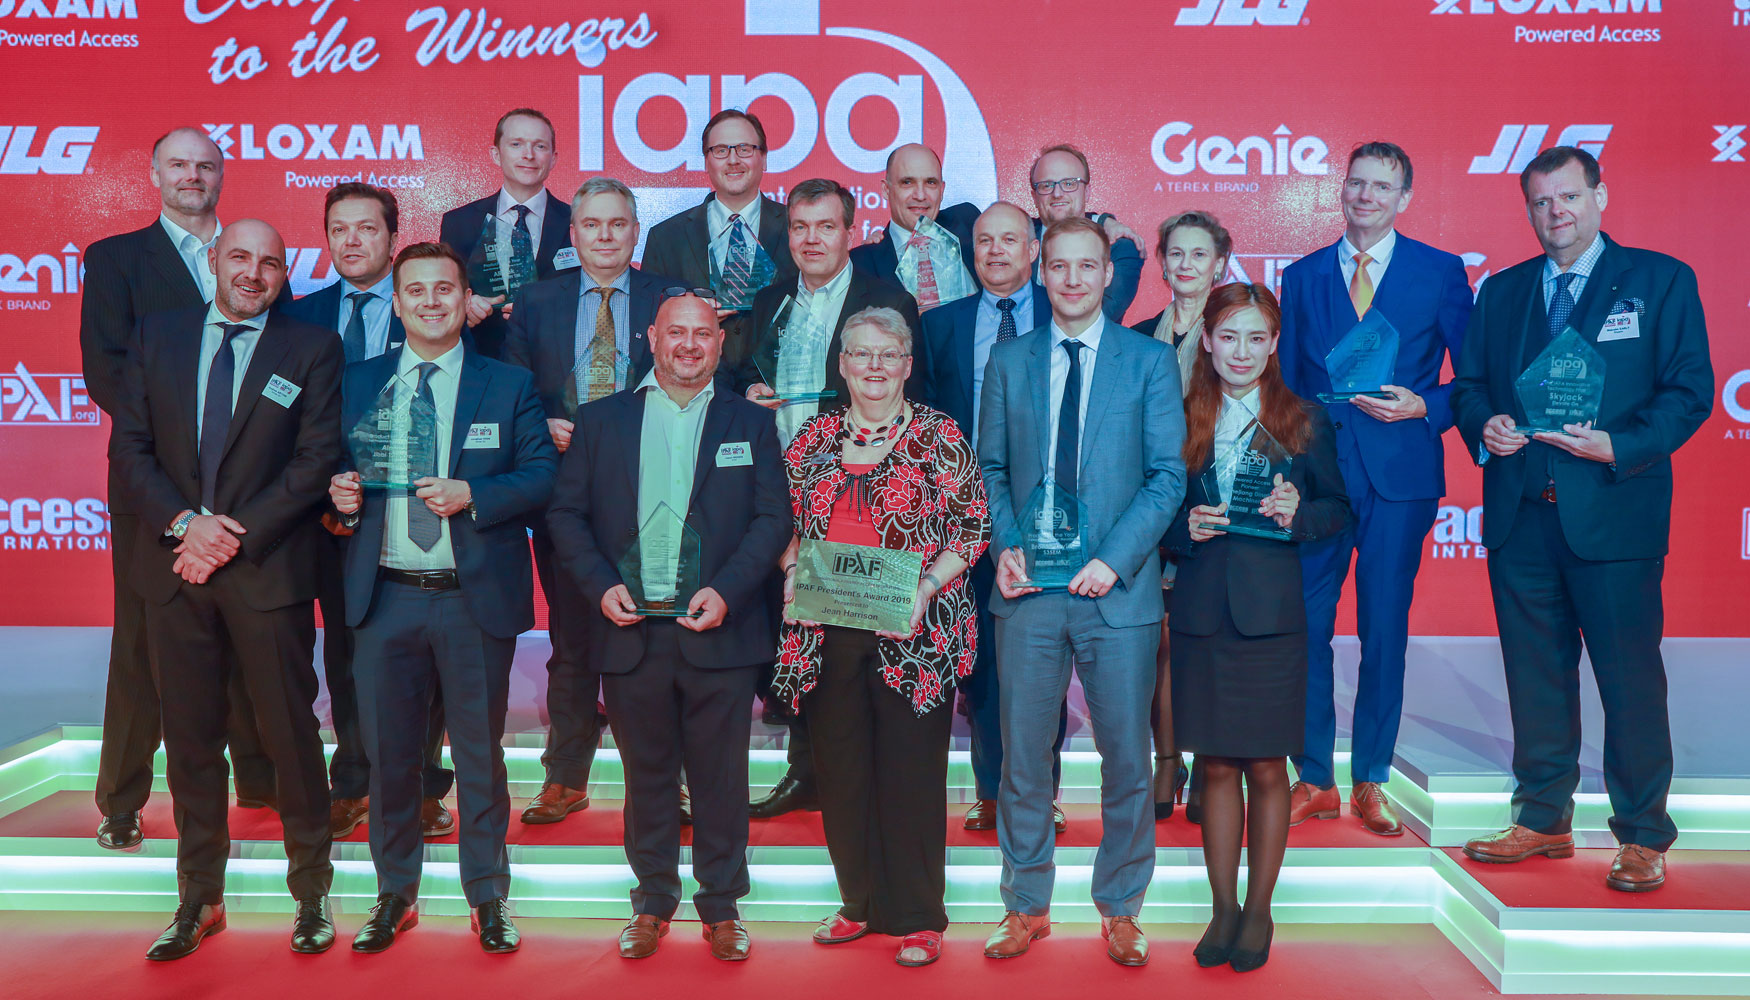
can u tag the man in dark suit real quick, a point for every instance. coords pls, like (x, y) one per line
(828, 290)
(733, 237)
(1392, 460)
(162, 266)
(952, 354)
(1577, 521)
(438, 585)
(524, 147)
(582, 333)
(228, 431)
(925, 249)
(678, 687)
(361, 222)
(1059, 178)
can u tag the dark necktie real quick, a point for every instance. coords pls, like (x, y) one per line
(1561, 304)
(522, 244)
(353, 340)
(1069, 416)
(216, 411)
(738, 262)
(422, 525)
(1006, 329)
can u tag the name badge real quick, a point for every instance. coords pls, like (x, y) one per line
(733, 454)
(281, 391)
(566, 258)
(1620, 326)
(481, 436)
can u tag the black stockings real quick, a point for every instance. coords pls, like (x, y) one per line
(1264, 829)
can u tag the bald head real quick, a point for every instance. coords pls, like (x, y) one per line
(685, 343)
(1003, 248)
(188, 170)
(914, 184)
(249, 261)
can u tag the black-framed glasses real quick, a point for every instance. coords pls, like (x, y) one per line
(744, 150)
(1068, 185)
(679, 291)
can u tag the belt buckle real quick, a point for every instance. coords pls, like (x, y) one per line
(438, 580)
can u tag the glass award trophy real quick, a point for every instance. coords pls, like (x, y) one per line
(1053, 537)
(952, 281)
(1243, 477)
(498, 266)
(856, 586)
(796, 384)
(661, 569)
(1563, 386)
(737, 291)
(1363, 359)
(398, 428)
(576, 395)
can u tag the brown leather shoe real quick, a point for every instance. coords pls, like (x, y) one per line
(641, 935)
(435, 819)
(1308, 801)
(1015, 933)
(1516, 843)
(1636, 869)
(555, 803)
(1367, 800)
(344, 815)
(982, 815)
(729, 941)
(1125, 943)
(1059, 821)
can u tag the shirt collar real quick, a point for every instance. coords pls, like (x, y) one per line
(1089, 337)
(1247, 402)
(177, 234)
(383, 289)
(1023, 297)
(215, 318)
(717, 216)
(449, 362)
(835, 286)
(1582, 266)
(705, 394)
(537, 205)
(622, 283)
(1380, 252)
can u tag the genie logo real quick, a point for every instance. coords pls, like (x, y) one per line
(1224, 157)
(39, 274)
(1734, 399)
(1238, 12)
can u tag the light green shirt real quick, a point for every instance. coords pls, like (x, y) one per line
(667, 455)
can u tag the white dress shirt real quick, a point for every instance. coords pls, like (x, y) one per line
(194, 254)
(1233, 427)
(537, 215)
(242, 350)
(1090, 352)
(668, 454)
(1379, 259)
(809, 333)
(717, 227)
(399, 552)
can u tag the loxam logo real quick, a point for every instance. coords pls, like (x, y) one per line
(89, 9)
(1546, 6)
(317, 142)
(1518, 145)
(1239, 12)
(45, 400)
(1729, 144)
(65, 150)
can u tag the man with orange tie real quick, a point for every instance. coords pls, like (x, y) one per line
(1392, 463)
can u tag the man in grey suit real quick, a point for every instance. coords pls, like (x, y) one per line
(1095, 408)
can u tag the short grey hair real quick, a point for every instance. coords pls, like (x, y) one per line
(604, 185)
(883, 319)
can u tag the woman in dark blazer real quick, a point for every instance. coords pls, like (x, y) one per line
(1239, 623)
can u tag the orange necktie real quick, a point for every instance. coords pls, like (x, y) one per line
(1361, 286)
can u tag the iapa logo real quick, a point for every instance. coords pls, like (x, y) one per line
(65, 150)
(1518, 145)
(317, 142)
(88, 9)
(1239, 12)
(1729, 144)
(54, 524)
(1547, 6)
(43, 400)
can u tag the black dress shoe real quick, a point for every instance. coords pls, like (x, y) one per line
(789, 795)
(389, 917)
(1244, 960)
(313, 927)
(193, 922)
(120, 832)
(491, 920)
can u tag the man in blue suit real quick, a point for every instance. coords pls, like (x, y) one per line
(1059, 178)
(925, 249)
(1392, 461)
(438, 584)
(952, 353)
(361, 222)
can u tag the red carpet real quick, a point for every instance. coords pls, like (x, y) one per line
(71, 814)
(1694, 880)
(57, 955)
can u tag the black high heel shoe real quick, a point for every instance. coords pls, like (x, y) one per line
(1209, 952)
(1246, 961)
(1194, 793)
(1181, 775)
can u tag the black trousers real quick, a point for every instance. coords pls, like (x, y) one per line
(411, 644)
(574, 722)
(667, 714)
(131, 730)
(1548, 601)
(883, 772)
(193, 641)
(349, 770)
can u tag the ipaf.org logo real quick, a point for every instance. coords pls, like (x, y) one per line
(35, 399)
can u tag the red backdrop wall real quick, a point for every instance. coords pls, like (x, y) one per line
(1243, 107)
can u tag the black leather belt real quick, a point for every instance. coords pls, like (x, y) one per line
(435, 579)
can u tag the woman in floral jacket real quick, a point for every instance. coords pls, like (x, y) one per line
(888, 473)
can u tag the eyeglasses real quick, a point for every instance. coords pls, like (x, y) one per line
(1355, 185)
(1068, 185)
(862, 356)
(677, 291)
(744, 150)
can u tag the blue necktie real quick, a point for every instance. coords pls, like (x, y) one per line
(738, 261)
(353, 340)
(1069, 416)
(522, 245)
(216, 411)
(423, 526)
(1561, 304)
(1006, 328)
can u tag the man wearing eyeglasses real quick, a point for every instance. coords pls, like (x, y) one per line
(1059, 179)
(1392, 462)
(925, 249)
(582, 334)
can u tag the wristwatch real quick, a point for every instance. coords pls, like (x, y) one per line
(180, 528)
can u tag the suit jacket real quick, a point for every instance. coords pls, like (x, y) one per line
(1126, 273)
(543, 331)
(273, 477)
(1257, 580)
(127, 277)
(509, 483)
(882, 258)
(743, 527)
(1658, 389)
(1132, 477)
(681, 244)
(461, 228)
(865, 290)
(942, 364)
(322, 308)
(1427, 298)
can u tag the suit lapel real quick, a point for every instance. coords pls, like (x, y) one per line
(964, 329)
(270, 350)
(699, 233)
(1041, 306)
(183, 360)
(631, 444)
(710, 436)
(1108, 373)
(560, 341)
(1338, 308)
(555, 226)
(1600, 293)
(1533, 334)
(775, 232)
(1039, 377)
(469, 391)
(397, 332)
(168, 263)
(640, 314)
